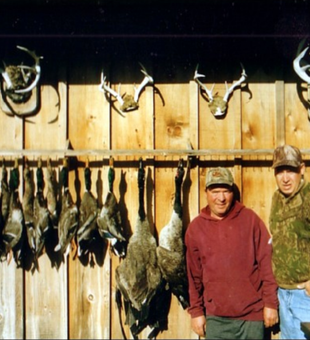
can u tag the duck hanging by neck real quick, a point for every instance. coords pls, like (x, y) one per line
(171, 248)
(27, 204)
(68, 219)
(138, 276)
(109, 219)
(87, 216)
(13, 233)
(5, 196)
(51, 194)
(41, 217)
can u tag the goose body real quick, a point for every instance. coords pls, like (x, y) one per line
(87, 217)
(171, 249)
(138, 276)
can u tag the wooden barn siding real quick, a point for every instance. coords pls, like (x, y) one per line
(77, 300)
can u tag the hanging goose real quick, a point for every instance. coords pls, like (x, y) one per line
(138, 276)
(27, 204)
(87, 216)
(41, 217)
(171, 249)
(68, 219)
(51, 194)
(13, 232)
(109, 220)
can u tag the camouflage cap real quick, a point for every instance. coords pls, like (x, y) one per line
(286, 155)
(219, 176)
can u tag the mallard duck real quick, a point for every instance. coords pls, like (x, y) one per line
(109, 220)
(13, 232)
(171, 249)
(41, 216)
(138, 276)
(27, 204)
(51, 193)
(87, 216)
(5, 195)
(68, 219)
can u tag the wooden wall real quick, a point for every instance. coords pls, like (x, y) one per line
(76, 300)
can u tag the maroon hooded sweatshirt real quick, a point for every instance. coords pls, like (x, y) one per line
(229, 265)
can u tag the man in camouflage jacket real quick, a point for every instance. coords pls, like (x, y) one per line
(290, 229)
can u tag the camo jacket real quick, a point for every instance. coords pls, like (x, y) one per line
(290, 228)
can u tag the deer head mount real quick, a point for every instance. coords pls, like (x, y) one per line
(18, 83)
(127, 102)
(218, 104)
(301, 71)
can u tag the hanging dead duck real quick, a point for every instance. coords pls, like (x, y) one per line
(109, 219)
(171, 249)
(5, 195)
(27, 204)
(51, 193)
(68, 219)
(87, 216)
(138, 276)
(13, 232)
(41, 218)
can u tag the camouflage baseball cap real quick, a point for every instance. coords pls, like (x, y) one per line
(219, 176)
(286, 155)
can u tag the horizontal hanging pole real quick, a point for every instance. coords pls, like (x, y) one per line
(142, 153)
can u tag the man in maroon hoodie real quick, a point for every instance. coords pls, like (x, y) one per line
(233, 293)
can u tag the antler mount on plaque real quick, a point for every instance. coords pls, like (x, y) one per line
(301, 71)
(127, 102)
(17, 85)
(218, 104)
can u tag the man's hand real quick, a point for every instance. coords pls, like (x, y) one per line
(199, 325)
(306, 286)
(271, 317)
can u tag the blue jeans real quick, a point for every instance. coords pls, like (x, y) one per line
(294, 309)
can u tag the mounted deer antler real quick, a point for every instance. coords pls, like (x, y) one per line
(218, 104)
(127, 102)
(18, 81)
(301, 71)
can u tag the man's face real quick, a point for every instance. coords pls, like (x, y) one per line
(220, 198)
(288, 178)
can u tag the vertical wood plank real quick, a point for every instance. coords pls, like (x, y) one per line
(46, 300)
(12, 280)
(280, 113)
(89, 282)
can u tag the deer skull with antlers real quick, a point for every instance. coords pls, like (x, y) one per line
(218, 104)
(18, 81)
(127, 102)
(301, 71)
